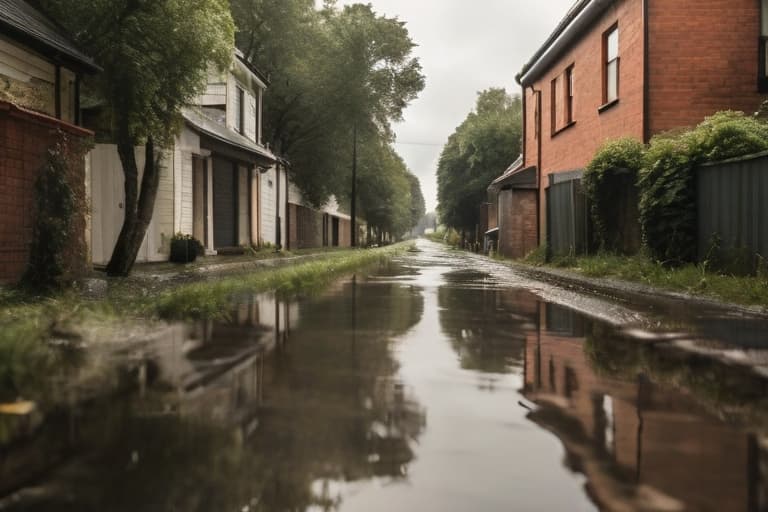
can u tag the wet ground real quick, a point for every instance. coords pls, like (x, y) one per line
(438, 382)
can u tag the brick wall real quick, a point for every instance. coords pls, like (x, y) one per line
(574, 147)
(24, 139)
(703, 57)
(306, 227)
(517, 230)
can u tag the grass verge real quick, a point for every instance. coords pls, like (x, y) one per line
(692, 279)
(208, 299)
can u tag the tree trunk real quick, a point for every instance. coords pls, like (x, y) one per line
(139, 206)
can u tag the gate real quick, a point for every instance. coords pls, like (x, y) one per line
(568, 220)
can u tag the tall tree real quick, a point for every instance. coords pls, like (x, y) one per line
(155, 55)
(331, 70)
(478, 151)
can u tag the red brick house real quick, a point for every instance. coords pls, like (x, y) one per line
(40, 73)
(618, 68)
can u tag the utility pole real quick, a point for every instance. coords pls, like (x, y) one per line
(354, 187)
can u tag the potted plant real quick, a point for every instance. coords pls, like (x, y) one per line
(185, 248)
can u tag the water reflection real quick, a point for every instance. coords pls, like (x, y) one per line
(373, 396)
(640, 444)
(486, 325)
(255, 412)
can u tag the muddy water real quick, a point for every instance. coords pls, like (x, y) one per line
(427, 384)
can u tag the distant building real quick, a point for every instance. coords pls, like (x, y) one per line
(630, 68)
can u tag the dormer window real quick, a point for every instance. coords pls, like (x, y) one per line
(239, 108)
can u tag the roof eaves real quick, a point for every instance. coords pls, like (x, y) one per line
(203, 124)
(253, 69)
(582, 10)
(21, 21)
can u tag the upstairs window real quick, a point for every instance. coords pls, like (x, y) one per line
(562, 94)
(762, 77)
(611, 65)
(569, 95)
(239, 110)
(553, 106)
(537, 114)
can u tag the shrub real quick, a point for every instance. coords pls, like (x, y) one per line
(612, 173)
(185, 248)
(667, 180)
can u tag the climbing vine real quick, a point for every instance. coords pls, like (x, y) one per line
(58, 205)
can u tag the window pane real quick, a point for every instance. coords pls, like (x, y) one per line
(612, 80)
(613, 44)
(238, 109)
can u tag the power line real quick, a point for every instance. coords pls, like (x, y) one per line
(420, 143)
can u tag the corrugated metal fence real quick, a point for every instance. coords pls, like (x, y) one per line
(733, 207)
(567, 219)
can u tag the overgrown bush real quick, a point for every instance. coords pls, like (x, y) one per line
(612, 173)
(667, 180)
(57, 206)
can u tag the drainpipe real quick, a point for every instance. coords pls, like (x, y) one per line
(278, 238)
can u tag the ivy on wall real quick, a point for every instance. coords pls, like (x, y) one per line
(59, 203)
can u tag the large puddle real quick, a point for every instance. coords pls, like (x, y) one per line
(426, 385)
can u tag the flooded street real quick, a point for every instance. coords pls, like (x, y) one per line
(437, 382)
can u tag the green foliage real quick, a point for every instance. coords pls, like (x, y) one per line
(57, 205)
(616, 162)
(155, 56)
(478, 151)
(332, 71)
(667, 185)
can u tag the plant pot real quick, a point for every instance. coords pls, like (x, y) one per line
(184, 251)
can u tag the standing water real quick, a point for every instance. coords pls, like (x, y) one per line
(426, 384)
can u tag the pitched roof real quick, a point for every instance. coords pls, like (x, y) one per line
(516, 176)
(21, 21)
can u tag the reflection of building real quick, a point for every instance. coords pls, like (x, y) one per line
(216, 368)
(640, 446)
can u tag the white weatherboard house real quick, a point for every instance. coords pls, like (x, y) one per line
(210, 184)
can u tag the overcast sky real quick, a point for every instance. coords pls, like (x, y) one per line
(464, 46)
